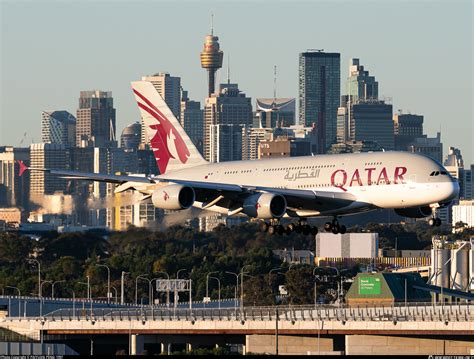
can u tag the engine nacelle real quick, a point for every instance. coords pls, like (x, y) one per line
(265, 205)
(414, 212)
(174, 196)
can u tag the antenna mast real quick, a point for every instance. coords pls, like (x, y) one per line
(274, 84)
(212, 23)
(228, 69)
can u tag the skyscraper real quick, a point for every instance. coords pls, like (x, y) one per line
(362, 116)
(372, 121)
(319, 94)
(169, 88)
(251, 138)
(192, 120)
(228, 107)
(428, 146)
(95, 124)
(407, 127)
(359, 84)
(226, 142)
(47, 155)
(276, 112)
(131, 136)
(14, 189)
(58, 127)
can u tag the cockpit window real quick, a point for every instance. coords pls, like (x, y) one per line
(437, 173)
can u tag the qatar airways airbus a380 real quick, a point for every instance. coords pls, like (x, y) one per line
(299, 187)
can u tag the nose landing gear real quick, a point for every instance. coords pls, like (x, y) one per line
(434, 222)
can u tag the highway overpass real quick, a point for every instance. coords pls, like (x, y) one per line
(422, 328)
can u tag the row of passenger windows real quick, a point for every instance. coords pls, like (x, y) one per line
(373, 183)
(373, 163)
(235, 172)
(298, 168)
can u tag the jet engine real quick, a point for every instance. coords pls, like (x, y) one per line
(414, 212)
(265, 205)
(174, 196)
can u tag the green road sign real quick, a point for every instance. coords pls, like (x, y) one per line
(369, 285)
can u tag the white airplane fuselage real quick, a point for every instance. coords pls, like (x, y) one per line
(376, 180)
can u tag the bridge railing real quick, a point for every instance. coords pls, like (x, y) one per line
(461, 312)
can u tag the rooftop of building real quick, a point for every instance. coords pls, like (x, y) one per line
(320, 53)
(132, 129)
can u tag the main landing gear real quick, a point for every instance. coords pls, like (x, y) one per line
(335, 227)
(274, 227)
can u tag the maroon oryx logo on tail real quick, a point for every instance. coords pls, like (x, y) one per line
(166, 143)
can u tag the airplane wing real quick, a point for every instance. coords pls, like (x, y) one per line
(119, 179)
(233, 195)
(219, 194)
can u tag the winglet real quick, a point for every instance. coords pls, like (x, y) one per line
(23, 167)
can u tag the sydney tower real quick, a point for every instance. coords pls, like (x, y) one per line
(211, 59)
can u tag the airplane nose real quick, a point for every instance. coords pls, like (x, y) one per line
(454, 190)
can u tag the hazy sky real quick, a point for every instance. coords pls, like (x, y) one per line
(420, 52)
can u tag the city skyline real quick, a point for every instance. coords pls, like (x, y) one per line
(433, 80)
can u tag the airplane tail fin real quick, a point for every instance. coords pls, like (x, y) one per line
(172, 147)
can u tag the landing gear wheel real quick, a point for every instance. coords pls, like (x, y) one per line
(335, 230)
(432, 222)
(314, 230)
(328, 226)
(298, 228)
(342, 229)
(290, 228)
(437, 222)
(263, 226)
(271, 229)
(280, 229)
(306, 229)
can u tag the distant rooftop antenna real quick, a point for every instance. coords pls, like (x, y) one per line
(228, 69)
(274, 84)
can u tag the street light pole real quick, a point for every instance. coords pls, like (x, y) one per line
(122, 287)
(207, 282)
(115, 291)
(218, 290)
(315, 289)
(52, 287)
(108, 280)
(177, 273)
(242, 273)
(236, 287)
(39, 275)
(136, 286)
(43, 282)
